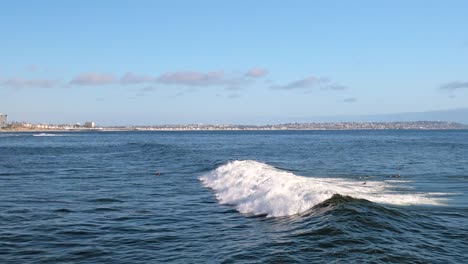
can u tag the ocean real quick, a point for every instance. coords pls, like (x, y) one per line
(389, 196)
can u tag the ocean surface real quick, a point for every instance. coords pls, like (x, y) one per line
(234, 197)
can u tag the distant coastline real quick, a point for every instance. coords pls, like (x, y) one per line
(418, 125)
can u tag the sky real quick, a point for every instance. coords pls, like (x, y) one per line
(243, 62)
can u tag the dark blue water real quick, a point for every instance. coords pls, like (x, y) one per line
(94, 198)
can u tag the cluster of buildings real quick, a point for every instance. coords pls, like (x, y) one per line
(30, 126)
(310, 126)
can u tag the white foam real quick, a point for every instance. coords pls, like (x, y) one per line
(257, 188)
(397, 181)
(48, 135)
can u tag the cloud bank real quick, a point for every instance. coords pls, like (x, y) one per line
(454, 85)
(191, 78)
(93, 79)
(298, 84)
(309, 83)
(181, 78)
(194, 78)
(26, 83)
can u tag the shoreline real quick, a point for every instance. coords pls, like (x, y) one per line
(414, 125)
(213, 130)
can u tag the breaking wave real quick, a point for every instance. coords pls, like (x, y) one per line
(260, 189)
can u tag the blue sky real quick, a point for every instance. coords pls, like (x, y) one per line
(256, 62)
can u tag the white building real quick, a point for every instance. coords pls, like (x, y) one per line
(3, 120)
(89, 124)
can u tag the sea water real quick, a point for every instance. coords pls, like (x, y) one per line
(234, 197)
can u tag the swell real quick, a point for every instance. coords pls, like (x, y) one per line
(257, 188)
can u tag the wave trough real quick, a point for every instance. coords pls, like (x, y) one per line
(260, 189)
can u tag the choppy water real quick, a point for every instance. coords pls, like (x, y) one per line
(234, 197)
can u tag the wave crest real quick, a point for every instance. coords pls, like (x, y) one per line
(260, 189)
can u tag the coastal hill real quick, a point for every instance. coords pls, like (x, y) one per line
(450, 115)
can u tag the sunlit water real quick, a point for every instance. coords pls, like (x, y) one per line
(234, 197)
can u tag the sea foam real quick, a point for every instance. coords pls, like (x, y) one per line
(48, 135)
(260, 189)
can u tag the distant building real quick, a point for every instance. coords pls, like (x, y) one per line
(3, 120)
(89, 124)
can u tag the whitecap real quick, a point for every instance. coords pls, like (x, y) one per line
(48, 135)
